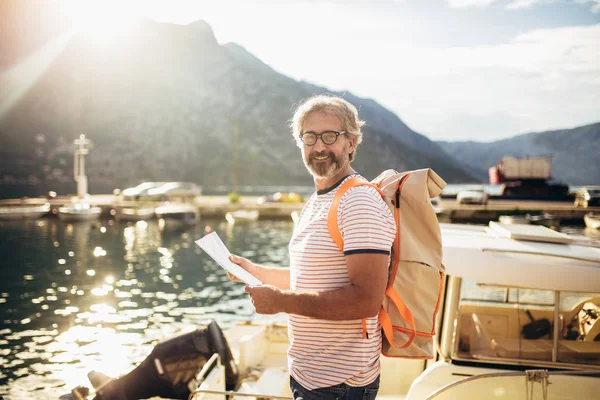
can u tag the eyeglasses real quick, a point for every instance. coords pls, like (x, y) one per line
(328, 137)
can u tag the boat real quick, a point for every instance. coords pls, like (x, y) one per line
(241, 216)
(133, 213)
(513, 219)
(520, 314)
(177, 215)
(544, 219)
(527, 178)
(24, 212)
(79, 211)
(295, 216)
(436, 202)
(592, 220)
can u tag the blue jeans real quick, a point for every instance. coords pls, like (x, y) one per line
(337, 392)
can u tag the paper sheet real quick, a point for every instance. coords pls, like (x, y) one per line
(214, 247)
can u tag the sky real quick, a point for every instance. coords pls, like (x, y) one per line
(450, 69)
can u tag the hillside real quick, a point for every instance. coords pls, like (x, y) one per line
(163, 105)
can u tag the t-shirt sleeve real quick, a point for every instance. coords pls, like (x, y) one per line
(366, 222)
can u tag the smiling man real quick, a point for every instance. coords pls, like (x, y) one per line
(328, 293)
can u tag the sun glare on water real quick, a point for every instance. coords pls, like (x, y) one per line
(102, 20)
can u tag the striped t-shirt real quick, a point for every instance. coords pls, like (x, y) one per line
(324, 353)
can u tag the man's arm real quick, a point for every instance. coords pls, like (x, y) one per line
(278, 277)
(361, 299)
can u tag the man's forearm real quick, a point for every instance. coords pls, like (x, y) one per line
(278, 277)
(349, 302)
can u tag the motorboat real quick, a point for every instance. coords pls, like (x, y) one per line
(24, 212)
(520, 319)
(544, 219)
(133, 213)
(436, 202)
(79, 211)
(513, 219)
(241, 216)
(592, 220)
(177, 215)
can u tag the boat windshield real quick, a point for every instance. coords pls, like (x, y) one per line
(517, 325)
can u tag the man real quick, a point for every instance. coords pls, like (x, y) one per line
(327, 293)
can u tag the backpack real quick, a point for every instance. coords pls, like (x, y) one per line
(413, 293)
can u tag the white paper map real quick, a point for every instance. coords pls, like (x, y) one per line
(214, 247)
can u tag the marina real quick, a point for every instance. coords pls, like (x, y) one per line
(218, 207)
(98, 295)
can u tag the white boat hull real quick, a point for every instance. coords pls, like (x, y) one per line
(241, 216)
(79, 212)
(134, 214)
(509, 387)
(23, 212)
(177, 215)
(592, 221)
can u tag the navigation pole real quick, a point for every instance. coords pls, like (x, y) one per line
(82, 147)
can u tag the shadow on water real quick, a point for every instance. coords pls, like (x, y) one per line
(97, 296)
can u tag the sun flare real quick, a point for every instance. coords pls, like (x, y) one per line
(104, 20)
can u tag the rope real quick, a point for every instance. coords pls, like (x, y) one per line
(533, 376)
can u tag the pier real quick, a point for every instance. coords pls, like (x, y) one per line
(212, 207)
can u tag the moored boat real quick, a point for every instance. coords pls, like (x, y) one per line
(592, 220)
(513, 219)
(241, 216)
(24, 212)
(79, 211)
(177, 215)
(133, 213)
(545, 219)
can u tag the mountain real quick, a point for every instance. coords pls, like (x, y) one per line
(575, 152)
(162, 105)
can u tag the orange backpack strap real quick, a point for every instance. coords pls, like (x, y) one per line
(407, 316)
(332, 221)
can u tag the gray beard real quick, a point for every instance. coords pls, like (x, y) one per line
(324, 170)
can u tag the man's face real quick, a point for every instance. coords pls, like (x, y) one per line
(322, 160)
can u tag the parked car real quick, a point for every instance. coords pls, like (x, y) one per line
(588, 196)
(472, 196)
(291, 197)
(175, 189)
(140, 191)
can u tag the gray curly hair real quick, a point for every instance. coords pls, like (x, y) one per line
(334, 105)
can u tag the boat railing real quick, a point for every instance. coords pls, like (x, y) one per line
(234, 393)
(532, 376)
(215, 361)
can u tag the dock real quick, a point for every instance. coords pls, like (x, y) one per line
(215, 207)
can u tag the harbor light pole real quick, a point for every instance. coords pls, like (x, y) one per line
(82, 148)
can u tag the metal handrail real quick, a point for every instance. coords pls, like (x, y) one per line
(503, 374)
(234, 393)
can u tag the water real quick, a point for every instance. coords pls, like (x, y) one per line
(81, 296)
(76, 297)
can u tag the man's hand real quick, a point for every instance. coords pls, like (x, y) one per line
(244, 263)
(265, 298)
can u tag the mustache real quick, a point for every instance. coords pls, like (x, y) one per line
(322, 154)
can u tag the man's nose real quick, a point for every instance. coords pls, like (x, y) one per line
(320, 145)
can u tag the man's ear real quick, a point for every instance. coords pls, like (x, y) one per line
(351, 146)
